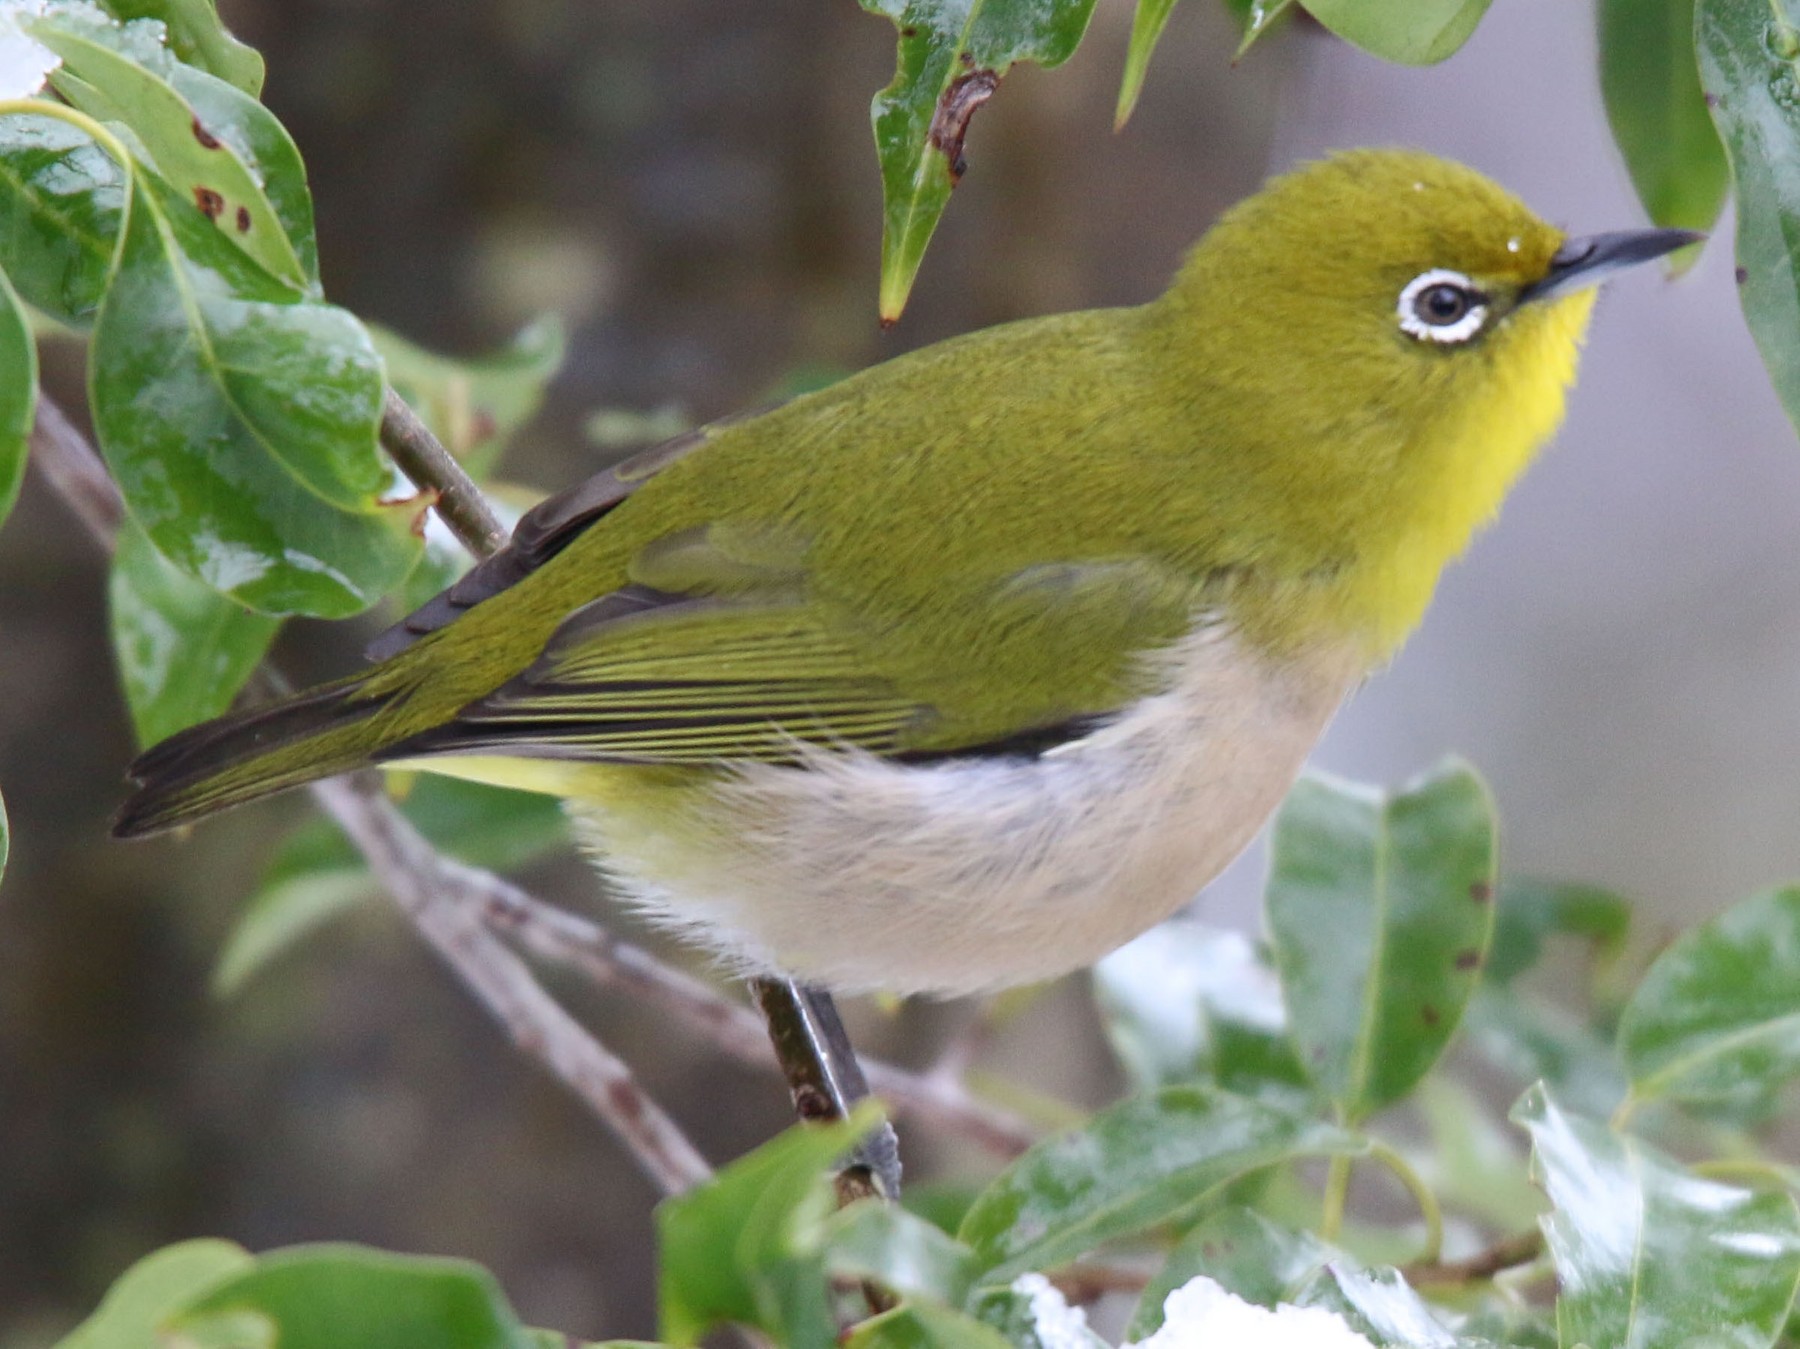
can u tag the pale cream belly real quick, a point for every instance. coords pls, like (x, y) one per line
(966, 876)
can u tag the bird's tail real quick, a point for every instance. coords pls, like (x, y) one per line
(251, 754)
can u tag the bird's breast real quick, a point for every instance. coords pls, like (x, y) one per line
(970, 874)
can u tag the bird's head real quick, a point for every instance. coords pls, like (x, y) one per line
(1394, 334)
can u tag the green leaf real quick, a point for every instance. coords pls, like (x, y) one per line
(898, 1250)
(18, 394)
(474, 405)
(151, 1291)
(241, 421)
(1185, 1001)
(184, 650)
(316, 875)
(1147, 23)
(1258, 17)
(333, 1296)
(1470, 1162)
(1716, 1020)
(1649, 1254)
(61, 199)
(198, 38)
(1411, 32)
(282, 915)
(1377, 1304)
(1131, 1167)
(1240, 1250)
(924, 1325)
(1658, 114)
(1528, 912)
(1748, 52)
(205, 143)
(1031, 1314)
(746, 1246)
(485, 826)
(952, 56)
(1380, 910)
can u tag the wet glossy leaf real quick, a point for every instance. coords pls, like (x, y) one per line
(207, 139)
(18, 394)
(152, 1290)
(1030, 1314)
(1259, 17)
(745, 1247)
(1377, 1304)
(330, 1296)
(1131, 1167)
(184, 651)
(474, 405)
(1716, 1020)
(241, 421)
(1658, 113)
(924, 1325)
(1748, 52)
(899, 1251)
(952, 56)
(1380, 910)
(198, 38)
(1185, 1001)
(61, 198)
(1649, 1254)
(1529, 912)
(1244, 1253)
(1411, 32)
(1147, 23)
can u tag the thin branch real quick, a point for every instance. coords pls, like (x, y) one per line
(435, 893)
(430, 467)
(1503, 1255)
(75, 472)
(578, 944)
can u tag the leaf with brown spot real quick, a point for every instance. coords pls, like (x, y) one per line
(1369, 915)
(952, 57)
(211, 139)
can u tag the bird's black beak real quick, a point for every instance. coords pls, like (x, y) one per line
(1587, 260)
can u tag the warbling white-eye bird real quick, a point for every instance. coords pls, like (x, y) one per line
(966, 670)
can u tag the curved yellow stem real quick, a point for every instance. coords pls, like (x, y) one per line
(62, 112)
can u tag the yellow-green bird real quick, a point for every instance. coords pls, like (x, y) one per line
(968, 669)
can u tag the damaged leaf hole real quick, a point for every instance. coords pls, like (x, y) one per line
(957, 104)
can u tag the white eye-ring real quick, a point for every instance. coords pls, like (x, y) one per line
(1442, 306)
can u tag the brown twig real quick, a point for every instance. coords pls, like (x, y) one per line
(429, 466)
(583, 946)
(435, 893)
(1503, 1255)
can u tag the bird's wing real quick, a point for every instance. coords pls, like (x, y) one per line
(642, 676)
(749, 670)
(543, 532)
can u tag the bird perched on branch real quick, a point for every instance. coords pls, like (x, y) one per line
(964, 671)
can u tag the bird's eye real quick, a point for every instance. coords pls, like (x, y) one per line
(1442, 306)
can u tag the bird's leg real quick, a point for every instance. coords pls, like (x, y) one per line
(822, 1072)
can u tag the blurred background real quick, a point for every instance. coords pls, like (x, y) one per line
(691, 185)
